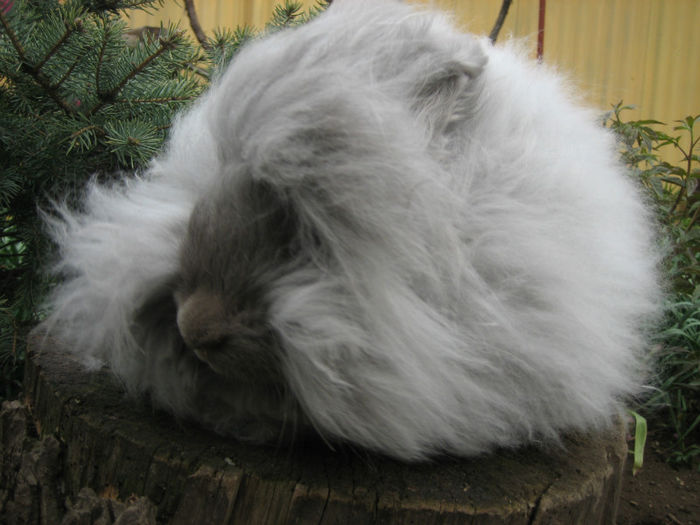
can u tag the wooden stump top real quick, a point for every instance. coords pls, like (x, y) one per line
(121, 447)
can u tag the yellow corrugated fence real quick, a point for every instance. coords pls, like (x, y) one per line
(645, 52)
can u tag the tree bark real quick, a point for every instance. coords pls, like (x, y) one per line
(121, 447)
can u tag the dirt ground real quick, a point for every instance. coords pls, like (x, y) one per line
(660, 494)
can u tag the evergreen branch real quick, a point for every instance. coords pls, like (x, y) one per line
(57, 45)
(100, 58)
(160, 100)
(107, 97)
(68, 72)
(285, 15)
(13, 37)
(199, 71)
(291, 12)
(51, 91)
(74, 137)
(75, 134)
(33, 71)
(194, 24)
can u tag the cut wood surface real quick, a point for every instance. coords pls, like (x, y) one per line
(121, 448)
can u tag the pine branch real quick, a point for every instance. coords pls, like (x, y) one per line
(109, 96)
(199, 71)
(68, 72)
(69, 31)
(13, 37)
(33, 71)
(285, 15)
(161, 100)
(82, 130)
(51, 90)
(100, 61)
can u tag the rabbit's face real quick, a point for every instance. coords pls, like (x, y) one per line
(234, 342)
(239, 240)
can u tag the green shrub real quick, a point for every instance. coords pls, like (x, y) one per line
(75, 102)
(674, 190)
(678, 394)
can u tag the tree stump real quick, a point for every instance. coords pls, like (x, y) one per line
(121, 448)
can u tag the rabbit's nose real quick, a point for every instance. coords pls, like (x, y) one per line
(201, 319)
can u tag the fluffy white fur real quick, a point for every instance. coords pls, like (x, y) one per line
(471, 267)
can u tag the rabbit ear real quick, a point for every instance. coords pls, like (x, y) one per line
(448, 95)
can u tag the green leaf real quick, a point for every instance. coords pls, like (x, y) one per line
(640, 439)
(677, 181)
(647, 122)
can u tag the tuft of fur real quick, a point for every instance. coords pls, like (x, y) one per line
(377, 227)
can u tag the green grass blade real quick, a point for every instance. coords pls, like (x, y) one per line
(640, 439)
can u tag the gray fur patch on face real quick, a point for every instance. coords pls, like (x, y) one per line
(238, 241)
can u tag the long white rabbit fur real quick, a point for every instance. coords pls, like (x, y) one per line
(379, 228)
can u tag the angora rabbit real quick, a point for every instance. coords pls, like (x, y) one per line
(379, 228)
